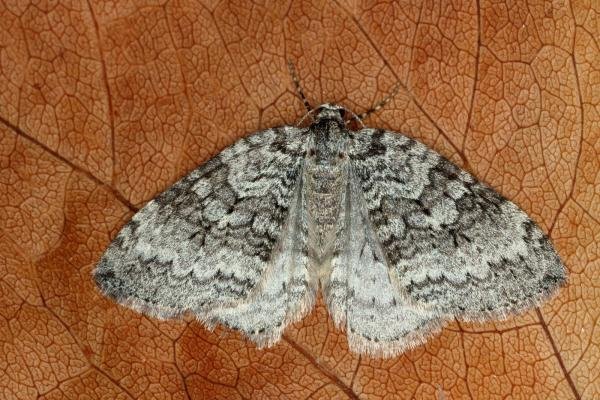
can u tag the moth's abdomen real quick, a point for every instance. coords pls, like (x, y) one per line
(325, 188)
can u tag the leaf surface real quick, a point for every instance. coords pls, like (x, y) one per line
(104, 105)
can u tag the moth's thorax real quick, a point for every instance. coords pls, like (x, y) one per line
(325, 176)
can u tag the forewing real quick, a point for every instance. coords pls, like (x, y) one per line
(454, 243)
(286, 291)
(207, 241)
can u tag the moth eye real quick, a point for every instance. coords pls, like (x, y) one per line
(311, 152)
(342, 113)
(341, 155)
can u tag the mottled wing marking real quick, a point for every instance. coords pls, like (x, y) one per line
(362, 295)
(454, 243)
(208, 240)
(285, 293)
(418, 240)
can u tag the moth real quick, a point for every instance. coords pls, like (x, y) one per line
(398, 239)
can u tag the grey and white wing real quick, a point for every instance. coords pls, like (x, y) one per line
(454, 244)
(287, 289)
(362, 295)
(219, 240)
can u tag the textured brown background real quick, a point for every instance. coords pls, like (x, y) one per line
(103, 105)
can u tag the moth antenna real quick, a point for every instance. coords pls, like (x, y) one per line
(382, 102)
(305, 116)
(296, 80)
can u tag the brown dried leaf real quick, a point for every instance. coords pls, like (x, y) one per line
(103, 105)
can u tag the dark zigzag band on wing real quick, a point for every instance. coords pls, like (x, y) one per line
(232, 208)
(500, 302)
(454, 243)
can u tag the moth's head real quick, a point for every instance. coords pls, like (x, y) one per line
(331, 112)
(329, 135)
